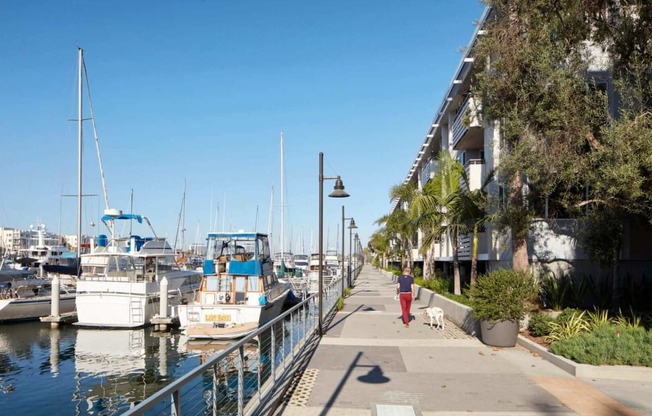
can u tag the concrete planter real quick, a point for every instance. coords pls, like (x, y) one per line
(499, 333)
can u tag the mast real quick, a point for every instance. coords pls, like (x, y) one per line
(282, 201)
(79, 159)
(270, 223)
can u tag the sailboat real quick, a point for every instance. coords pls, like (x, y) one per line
(283, 260)
(127, 281)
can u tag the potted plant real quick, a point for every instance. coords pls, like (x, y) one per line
(499, 300)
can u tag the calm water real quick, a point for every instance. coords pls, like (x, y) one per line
(79, 371)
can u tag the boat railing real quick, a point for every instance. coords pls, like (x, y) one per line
(247, 376)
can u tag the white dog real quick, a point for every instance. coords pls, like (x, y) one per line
(435, 315)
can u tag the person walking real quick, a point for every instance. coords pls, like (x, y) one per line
(406, 291)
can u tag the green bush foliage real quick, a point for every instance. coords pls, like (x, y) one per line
(553, 291)
(539, 324)
(340, 303)
(438, 285)
(608, 345)
(502, 294)
(567, 326)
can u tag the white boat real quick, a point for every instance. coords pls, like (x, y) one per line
(239, 290)
(333, 262)
(302, 263)
(284, 264)
(43, 259)
(31, 298)
(122, 280)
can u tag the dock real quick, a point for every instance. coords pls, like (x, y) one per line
(64, 318)
(368, 363)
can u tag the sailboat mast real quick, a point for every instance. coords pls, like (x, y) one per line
(270, 222)
(282, 201)
(79, 159)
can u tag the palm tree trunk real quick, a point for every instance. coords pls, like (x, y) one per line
(474, 255)
(457, 283)
(429, 263)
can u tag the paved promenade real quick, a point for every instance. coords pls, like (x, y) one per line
(368, 363)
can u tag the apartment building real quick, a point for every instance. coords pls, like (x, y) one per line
(456, 127)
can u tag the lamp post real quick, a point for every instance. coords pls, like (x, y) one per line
(338, 192)
(342, 265)
(352, 226)
(357, 249)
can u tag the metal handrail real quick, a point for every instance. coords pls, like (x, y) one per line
(279, 343)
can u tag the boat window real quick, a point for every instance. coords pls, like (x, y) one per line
(240, 284)
(254, 284)
(212, 283)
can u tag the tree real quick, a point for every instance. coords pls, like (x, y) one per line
(399, 222)
(434, 209)
(472, 206)
(533, 88)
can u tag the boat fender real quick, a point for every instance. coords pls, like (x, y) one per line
(262, 300)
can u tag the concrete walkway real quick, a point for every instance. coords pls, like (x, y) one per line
(368, 363)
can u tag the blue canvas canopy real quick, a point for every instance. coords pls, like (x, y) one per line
(136, 217)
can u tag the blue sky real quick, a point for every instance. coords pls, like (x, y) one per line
(199, 91)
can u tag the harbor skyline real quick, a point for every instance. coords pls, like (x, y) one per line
(199, 92)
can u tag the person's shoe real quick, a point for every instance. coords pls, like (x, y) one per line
(407, 325)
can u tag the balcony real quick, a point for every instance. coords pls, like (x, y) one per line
(476, 172)
(467, 131)
(428, 171)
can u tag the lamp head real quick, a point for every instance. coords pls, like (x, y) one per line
(338, 191)
(352, 225)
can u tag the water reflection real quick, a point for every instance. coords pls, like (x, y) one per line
(100, 371)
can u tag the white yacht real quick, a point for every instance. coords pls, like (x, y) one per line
(239, 290)
(123, 280)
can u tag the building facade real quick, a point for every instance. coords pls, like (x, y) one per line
(552, 240)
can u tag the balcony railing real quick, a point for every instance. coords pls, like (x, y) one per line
(460, 127)
(428, 171)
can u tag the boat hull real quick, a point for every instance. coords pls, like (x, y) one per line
(33, 308)
(227, 321)
(113, 304)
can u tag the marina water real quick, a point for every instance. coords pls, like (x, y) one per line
(83, 371)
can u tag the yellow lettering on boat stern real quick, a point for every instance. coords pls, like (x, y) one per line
(218, 318)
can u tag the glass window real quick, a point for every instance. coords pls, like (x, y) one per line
(212, 283)
(254, 285)
(240, 283)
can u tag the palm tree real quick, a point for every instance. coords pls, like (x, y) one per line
(472, 206)
(435, 209)
(400, 222)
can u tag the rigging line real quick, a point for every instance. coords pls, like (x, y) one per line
(97, 140)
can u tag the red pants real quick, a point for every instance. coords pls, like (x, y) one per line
(406, 303)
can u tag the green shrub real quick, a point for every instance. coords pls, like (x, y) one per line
(608, 345)
(340, 303)
(437, 285)
(417, 271)
(347, 292)
(502, 294)
(554, 291)
(567, 326)
(463, 299)
(597, 319)
(539, 324)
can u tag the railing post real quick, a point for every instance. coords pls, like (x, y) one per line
(241, 381)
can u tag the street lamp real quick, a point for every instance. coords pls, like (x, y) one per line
(352, 226)
(338, 192)
(358, 249)
(342, 271)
